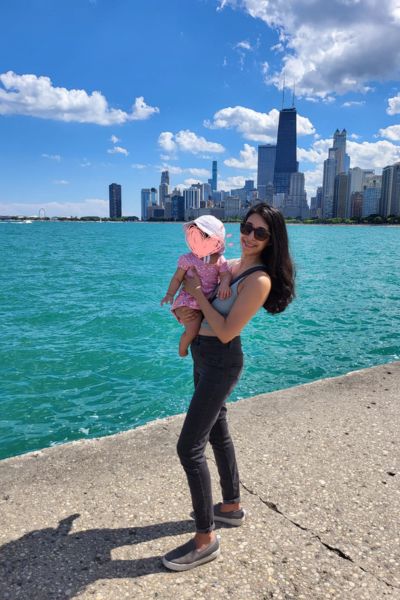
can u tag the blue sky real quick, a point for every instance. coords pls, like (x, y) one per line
(100, 91)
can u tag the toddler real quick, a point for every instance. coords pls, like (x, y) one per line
(205, 237)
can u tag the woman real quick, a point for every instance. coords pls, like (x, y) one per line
(263, 276)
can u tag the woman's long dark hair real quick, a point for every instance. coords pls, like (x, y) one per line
(276, 258)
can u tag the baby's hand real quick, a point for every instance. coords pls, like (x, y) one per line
(224, 291)
(168, 299)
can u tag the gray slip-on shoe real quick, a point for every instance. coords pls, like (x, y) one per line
(187, 557)
(234, 517)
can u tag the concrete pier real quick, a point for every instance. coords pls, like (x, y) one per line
(320, 475)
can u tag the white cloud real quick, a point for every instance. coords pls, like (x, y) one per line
(166, 141)
(86, 163)
(187, 141)
(353, 103)
(331, 47)
(317, 153)
(223, 184)
(231, 183)
(391, 133)
(366, 155)
(196, 172)
(56, 157)
(37, 97)
(373, 155)
(222, 4)
(138, 166)
(253, 125)
(244, 45)
(312, 180)
(118, 150)
(88, 207)
(61, 182)
(114, 139)
(394, 105)
(142, 111)
(187, 183)
(172, 169)
(247, 160)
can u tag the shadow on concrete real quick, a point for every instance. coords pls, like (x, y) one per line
(54, 564)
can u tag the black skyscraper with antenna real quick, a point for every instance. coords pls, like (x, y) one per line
(286, 150)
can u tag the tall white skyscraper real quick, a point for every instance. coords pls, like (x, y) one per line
(192, 197)
(337, 162)
(148, 201)
(206, 192)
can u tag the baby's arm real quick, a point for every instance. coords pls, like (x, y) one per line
(225, 277)
(174, 286)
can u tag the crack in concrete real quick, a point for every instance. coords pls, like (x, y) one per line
(337, 551)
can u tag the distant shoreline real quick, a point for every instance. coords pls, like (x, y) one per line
(30, 220)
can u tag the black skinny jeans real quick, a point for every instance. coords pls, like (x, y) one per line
(216, 370)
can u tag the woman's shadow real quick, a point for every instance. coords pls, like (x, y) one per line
(54, 564)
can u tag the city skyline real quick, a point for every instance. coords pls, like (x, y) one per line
(129, 110)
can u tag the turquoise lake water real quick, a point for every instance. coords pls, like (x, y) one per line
(86, 350)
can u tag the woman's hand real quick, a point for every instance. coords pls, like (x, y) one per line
(187, 315)
(192, 284)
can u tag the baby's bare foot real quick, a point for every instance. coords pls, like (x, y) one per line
(183, 348)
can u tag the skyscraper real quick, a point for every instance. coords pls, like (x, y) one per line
(341, 207)
(115, 200)
(390, 200)
(148, 202)
(265, 169)
(163, 188)
(165, 177)
(286, 148)
(214, 179)
(337, 162)
(192, 197)
(295, 204)
(372, 195)
(328, 185)
(339, 144)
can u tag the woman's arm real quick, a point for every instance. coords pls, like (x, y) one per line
(253, 294)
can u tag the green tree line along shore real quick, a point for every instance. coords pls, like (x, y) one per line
(370, 220)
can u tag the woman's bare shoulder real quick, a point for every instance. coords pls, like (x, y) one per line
(232, 263)
(259, 281)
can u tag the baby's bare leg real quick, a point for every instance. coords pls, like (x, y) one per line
(191, 330)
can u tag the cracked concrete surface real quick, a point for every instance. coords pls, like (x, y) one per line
(320, 477)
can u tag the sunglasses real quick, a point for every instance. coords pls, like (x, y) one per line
(260, 233)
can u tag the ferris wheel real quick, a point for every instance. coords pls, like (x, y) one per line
(42, 214)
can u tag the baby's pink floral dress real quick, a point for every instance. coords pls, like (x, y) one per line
(209, 276)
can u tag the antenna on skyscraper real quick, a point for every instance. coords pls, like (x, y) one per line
(283, 91)
(294, 93)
